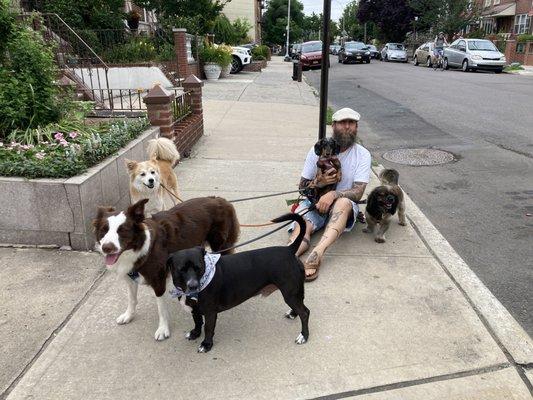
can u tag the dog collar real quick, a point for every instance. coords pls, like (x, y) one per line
(210, 261)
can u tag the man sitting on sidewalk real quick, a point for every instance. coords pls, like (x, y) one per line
(336, 209)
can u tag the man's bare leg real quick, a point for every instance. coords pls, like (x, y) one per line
(342, 209)
(308, 231)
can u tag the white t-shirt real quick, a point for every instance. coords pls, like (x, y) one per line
(355, 166)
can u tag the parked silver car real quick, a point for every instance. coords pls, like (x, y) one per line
(425, 55)
(394, 52)
(473, 54)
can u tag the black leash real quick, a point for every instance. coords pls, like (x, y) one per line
(311, 208)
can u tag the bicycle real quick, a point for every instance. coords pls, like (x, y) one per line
(439, 63)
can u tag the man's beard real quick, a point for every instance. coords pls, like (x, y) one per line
(344, 140)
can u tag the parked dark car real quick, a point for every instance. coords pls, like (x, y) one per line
(354, 52)
(374, 52)
(311, 54)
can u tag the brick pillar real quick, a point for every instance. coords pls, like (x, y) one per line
(194, 85)
(510, 51)
(180, 48)
(528, 54)
(159, 107)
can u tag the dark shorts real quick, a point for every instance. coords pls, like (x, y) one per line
(320, 220)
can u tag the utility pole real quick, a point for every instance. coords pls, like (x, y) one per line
(324, 72)
(365, 33)
(287, 58)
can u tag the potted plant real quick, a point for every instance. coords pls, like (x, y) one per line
(225, 60)
(211, 58)
(133, 19)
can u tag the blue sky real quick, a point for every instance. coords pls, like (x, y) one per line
(316, 5)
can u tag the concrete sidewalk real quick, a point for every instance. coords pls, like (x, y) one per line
(402, 320)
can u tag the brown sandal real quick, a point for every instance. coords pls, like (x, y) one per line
(312, 265)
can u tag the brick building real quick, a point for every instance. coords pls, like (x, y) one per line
(250, 10)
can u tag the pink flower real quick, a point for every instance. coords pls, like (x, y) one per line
(40, 155)
(73, 134)
(59, 137)
(63, 143)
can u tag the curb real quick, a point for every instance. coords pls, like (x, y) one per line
(506, 331)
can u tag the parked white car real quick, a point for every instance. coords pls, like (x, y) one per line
(394, 52)
(473, 54)
(241, 57)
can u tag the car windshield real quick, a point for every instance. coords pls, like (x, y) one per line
(310, 47)
(395, 46)
(481, 45)
(354, 46)
(372, 47)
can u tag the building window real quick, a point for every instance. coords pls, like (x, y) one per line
(488, 25)
(521, 24)
(496, 2)
(520, 48)
(487, 3)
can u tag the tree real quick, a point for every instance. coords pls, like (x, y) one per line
(349, 22)
(275, 21)
(449, 16)
(394, 18)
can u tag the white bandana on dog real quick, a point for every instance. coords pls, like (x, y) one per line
(210, 261)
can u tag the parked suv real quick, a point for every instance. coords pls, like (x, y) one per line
(473, 54)
(425, 55)
(354, 52)
(311, 54)
(240, 57)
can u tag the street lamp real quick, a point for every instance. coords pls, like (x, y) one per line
(287, 58)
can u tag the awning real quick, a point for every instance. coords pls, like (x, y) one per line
(503, 10)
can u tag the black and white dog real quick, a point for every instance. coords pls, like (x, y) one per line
(212, 288)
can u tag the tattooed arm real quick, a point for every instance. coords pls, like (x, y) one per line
(355, 193)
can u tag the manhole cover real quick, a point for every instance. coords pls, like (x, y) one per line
(419, 156)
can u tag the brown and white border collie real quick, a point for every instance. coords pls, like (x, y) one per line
(139, 246)
(147, 178)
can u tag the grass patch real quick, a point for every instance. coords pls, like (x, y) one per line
(329, 115)
(511, 68)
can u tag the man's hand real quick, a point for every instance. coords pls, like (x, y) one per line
(327, 178)
(325, 202)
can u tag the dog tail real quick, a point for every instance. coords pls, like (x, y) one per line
(301, 222)
(163, 149)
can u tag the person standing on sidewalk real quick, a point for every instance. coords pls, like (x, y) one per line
(336, 210)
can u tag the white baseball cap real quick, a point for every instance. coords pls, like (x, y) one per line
(346, 113)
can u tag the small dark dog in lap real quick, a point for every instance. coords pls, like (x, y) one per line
(327, 151)
(218, 285)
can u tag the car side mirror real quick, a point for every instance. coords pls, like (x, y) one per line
(462, 48)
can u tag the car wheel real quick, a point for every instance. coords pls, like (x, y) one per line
(498, 71)
(465, 67)
(445, 63)
(415, 61)
(368, 61)
(428, 62)
(236, 65)
(339, 60)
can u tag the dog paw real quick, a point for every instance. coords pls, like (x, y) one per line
(300, 339)
(192, 335)
(366, 230)
(205, 347)
(125, 318)
(380, 240)
(402, 223)
(291, 314)
(162, 333)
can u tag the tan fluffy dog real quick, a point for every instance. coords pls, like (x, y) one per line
(148, 179)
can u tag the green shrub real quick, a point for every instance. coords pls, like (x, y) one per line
(136, 50)
(65, 149)
(524, 38)
(260, 52)
(29, 97)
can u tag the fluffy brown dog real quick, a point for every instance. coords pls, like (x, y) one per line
(327, 151)
(382, 204)
(148, 179)
(137, 248)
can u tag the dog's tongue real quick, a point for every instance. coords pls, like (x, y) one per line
(110, 259)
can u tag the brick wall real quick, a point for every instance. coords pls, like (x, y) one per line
(255, 66)
(187, 132)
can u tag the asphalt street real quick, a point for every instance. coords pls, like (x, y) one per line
(483, 202)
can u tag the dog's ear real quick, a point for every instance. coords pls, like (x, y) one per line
(319, 146)
(336, 147)
(130, 164)
(136, 211)
(100, 213)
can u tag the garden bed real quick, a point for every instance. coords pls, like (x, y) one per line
(60, 211)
